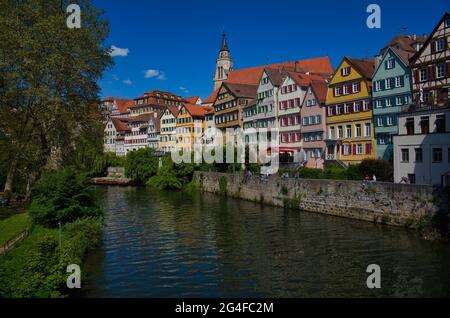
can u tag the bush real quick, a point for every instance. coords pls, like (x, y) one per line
(382, 169)
(141, 165)
(64, 197)
(166, 178)
(104, 161)
(310, 173)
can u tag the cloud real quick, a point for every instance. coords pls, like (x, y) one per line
(184, 89)
(127, 82)
(115, 77)
(117, 51)
(151, 73)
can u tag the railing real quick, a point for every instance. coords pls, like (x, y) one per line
(331, 157)
(12, 243)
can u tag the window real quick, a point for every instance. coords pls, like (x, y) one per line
(378, 103)
(337, 91)
(346, 89)
(347, 108)
(440, 71)
(440, 123)
(425, 125)
(381, 140)
(358, 130)
(418, 154)
(366, 105)
(437, 155)
(447, 23)
(398, 101)
(405, 155)
(340, 132)
(389, 64)
(359, 149)
(388, 83)
(338, 109)
(398, 81)
(331, 133)
(367, 129)
(410, 126)
(423, 75)
(378, 86)
(440, 45)
(345, 71)
(356, 87)
(346, 149)
(388, 102)
(348, 131)
(389, 121)
(380, 121)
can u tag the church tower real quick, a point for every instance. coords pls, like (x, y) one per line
(224, 63)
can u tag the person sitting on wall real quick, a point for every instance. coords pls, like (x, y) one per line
(374, 178)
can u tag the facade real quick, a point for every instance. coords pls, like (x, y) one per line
(115, 107)
(167, 138)
(137, 136)
(313, 116)
(154, 101)
(153, 132)
(210, 126)
(224, 64)
(190, 126)
(263, 112)
(422, 147)
(114, 134)
(230, 102)
(350, 135)
(431, 67)
(392, 89)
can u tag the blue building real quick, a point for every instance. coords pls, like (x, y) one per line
(392, 90)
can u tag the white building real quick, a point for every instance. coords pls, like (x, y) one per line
(422, 147)
(143, 132)
(114, 133)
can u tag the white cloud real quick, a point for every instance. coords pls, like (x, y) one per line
(115, 77)
(127, 82)
(151, 73)
(117, 51)
(184, 89)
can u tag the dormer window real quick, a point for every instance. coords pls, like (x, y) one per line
(389, 64)
(346, 71)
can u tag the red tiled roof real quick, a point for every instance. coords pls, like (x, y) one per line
(252, 75)
(196, 110)
(173, 109)
(141, 118)
(320, 90)
(242, 90)
(120, 124)
(212, 98)
(123, 105)
(303, 79)
(406, 42)
(192, 100)
(365, 66)
(210, 110)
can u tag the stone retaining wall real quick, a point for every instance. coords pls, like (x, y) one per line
(389, 203)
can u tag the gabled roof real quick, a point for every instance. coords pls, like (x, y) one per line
(196, 110)
(406, 42)
(415, 56)
(242, 90)
(120, 124)
(252, 75)
(212, 98)
(275, 75)
(319, 89)
(192, 100)
(403, 56)
(173, 109)
(141, 118)
(364, 66)
(123, 105)
(303, 79)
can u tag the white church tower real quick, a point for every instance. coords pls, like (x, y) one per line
(224, 63)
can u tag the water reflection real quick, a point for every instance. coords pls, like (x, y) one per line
(171, 244)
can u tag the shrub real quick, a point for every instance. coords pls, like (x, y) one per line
(353, 172)
(310, 173)
(64, 197)
(166, 178)
(141, 165)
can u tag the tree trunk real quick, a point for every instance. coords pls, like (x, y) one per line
(9, 184)
(30, 182)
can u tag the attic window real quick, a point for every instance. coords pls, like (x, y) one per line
(346, 71)
(447, 23)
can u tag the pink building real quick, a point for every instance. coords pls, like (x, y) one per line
(313, 115)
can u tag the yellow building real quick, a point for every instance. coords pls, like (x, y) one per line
(190, 126)
(167, 135)
(350, 128)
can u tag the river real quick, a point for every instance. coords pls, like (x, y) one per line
(173, 244)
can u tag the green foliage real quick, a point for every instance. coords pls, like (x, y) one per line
(382, 169)
(141, 165)
(223, 185)
(166, 178)
(37, 267)
(13, 226)
(310, 173)
(105, 160)
(64, 197)
(254, 168)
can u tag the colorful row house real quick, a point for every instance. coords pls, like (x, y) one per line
(190, 126)
(350, 136)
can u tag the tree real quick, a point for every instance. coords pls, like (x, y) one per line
(48, 82)
(140, 165)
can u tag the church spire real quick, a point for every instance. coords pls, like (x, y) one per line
(224, 43)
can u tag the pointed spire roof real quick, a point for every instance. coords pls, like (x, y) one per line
(224, 43)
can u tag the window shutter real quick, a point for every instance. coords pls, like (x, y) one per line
(342, 150)
(433, 46)
(416, 76)
(368, 149)
(431, 71)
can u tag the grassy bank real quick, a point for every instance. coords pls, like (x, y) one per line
(13, 226)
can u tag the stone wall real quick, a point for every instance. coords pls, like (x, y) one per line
(388, 203)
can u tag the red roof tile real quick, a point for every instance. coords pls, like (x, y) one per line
(120, 124)
(320, 90)
(196, 110)
(212, 98)
(365, 66)
(192, 100)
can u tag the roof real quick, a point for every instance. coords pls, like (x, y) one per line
(141, 118)
(406, 42)
(212, 98)
(303, 79)
(224, 46)
(120, 123)
(173, 109)
(425, 44)
(276, 75)
(192, 100)
(253, 75)
(320, 90)
(210, 110)
(365, 66)
(196, 110)
(123, 104)
(242, 90)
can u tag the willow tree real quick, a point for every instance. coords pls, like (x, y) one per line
(48, 81)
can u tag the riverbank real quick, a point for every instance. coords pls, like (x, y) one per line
(387, 203)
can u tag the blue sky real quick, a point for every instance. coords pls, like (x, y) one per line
(173, 44)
